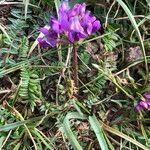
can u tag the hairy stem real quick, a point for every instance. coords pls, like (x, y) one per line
(75, 66)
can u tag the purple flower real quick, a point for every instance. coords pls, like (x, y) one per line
(75, 23)
(144, 105)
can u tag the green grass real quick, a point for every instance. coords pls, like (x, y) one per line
(38, 107)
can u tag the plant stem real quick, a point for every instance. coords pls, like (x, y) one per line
(75, 66)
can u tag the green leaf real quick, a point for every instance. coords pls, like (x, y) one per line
(67, 129)
(14, 125)
(97, 127)
(26, 3)
(17, 146)
(47, 144)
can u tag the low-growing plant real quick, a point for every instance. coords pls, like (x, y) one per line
(77, 82)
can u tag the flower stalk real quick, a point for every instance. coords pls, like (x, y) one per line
(75, 65)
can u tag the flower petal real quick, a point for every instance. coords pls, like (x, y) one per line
(71, 37)
(64, 6)
(55, 25)
(96, 26)
(42, 42)
(64, 21)
(139, 107)
(148, 102)
(85, 19)
(50, 39)
(89, 28)
(81, 36)
(82, 9)
(147, 95)
(74, 11)
(78, 10)
(75, 25)
(44, 31)
(144, 104)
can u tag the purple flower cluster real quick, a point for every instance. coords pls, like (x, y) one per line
(74, 23)
(144, 104)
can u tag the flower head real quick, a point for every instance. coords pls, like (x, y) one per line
(143, 105)
(75, 23)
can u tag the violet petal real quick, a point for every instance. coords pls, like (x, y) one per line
(147, 95)
(89, 28)
(42, 43)
(55, 26)
(82, 9)
(139, 107)
(64, 21)
(44, 31)
(64, 6)
(75, 25)
(71, 37)
(148, 102)
(96, 26)
(86, 19)
(144, 104)
(50, 39)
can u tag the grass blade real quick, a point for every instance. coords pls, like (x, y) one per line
(98, 131)
(67, 129)
(26, 3)
(2, 28)
(57, 4)
(14, 125)
(124, 136)
(43, 139)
